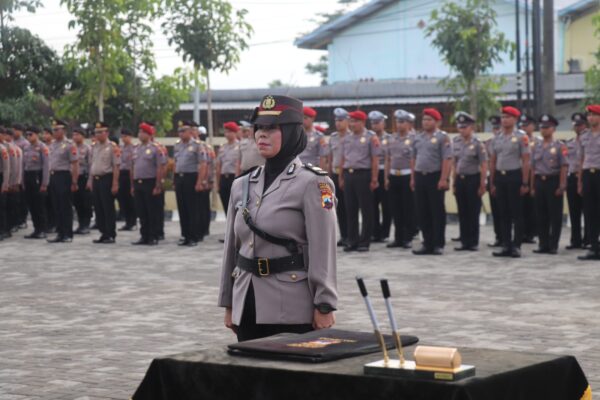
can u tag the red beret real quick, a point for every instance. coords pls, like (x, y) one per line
(232, 126)
(149, 129)
(309, 112)
(320, 128)
(593, 108)
(511, 111)
(358, 115)
(433, 113)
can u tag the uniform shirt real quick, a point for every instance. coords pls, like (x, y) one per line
(547, 159)
(188, 156)
(358, 150)
(36, 158)
(573, 155)
(399, 150)
(469, 156)
(316, 147)
(429, 151)
(508, 150)
(62, 154)
(228, 157)
(85, 154)
(335, 149)
(384, 140)
(22, 143)
(147, 158)
(105, 156)
(127, 156)
(249, 155)
(15, 156)
(590, 150)
(4, 165)
(210, 160)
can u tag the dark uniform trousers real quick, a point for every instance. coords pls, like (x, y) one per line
(147, 207)
(550, 210)
(495, 214)
(35, 200)
(125, 199)
(430, 209)
(530, 218)
(82, 200)
(401, 200)
(341, 208)
(12, 209)
(104, 205)
(3, 221)
(358, 195)
(469, 207)
(575, 202)
(249, 329)
(383, 219)
(204, 212)
(23, 208)
(50, 216)
(225, 183)
(591, 204)
(510, 207)
(187, 204)
(62, 202)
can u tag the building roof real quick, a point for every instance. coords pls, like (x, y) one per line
(577, 8)
(353, 94)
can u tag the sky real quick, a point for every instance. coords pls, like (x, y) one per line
(272, 54)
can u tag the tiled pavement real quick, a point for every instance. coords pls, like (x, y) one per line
(83, 321)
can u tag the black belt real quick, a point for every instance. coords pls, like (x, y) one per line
(591, 170)
(508, 171)
(268, 266)
(544, 177)
(228, 176)
(356, 170)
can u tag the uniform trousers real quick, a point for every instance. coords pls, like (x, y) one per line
(341, 208)
(469, 207)
(104, 205)
(358, 196)
(591, 204)
(510, 207)
(431, 210)
(125, 198)
(62, 202)
(187, 205)
(550, 210)
(382, 215)
(35, 200)
(575, 202)
(82, 200)
(3, 222)
(401, 200)
(147, 207)
(225, 183)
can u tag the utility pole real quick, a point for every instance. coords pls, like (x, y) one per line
(538, 88)
(518, 35)
(527, 59)
(548, 102)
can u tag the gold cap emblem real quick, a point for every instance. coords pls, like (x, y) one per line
(98, 125)
(268, 103)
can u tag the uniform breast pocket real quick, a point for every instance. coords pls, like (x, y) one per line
(538, 155)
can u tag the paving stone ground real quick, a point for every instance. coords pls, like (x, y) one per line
(83, 321)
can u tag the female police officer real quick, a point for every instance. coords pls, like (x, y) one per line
(279, 266)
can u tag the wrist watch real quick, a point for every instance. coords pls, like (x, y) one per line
(324, 308)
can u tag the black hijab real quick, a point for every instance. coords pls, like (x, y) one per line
(293, 142)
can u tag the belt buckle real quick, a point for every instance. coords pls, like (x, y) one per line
(543, 177)
(96, 177)
(503, 172)
(181, 175)
(593, 170)
(139, 181)
(462, 177)
(351, 170)
(261, 271)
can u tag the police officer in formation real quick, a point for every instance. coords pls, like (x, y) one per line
(47, 139)
(382, 215)
(509, 180)
(15, 182)
(360, 165)
(36, 178)
(398, 156)
(82, 198)
(334, 163)
(317, 150)
(126, 206)
(431, 166)
(104, 182)
(574, 199)
(20, 140)
(530, 229)
(227, 162)
(249, 156)
(470, 175)
(4, 180)
(64, 175)
(494, 121)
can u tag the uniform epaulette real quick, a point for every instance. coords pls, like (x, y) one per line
(178, 141)
(156, 144)
(314, 170)
(247, 172)
(197, 141)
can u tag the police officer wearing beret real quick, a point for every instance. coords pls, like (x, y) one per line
(279, 264)
(494, 120)
(574, 199)
(104, 182)
(398, 156)
(316, 151)
(124, 197)
(589, 179)
(360, 177)
(509, 180)
(4, 178)
(382, 215)
(64, 176)
(549, 171)
(530, 229)
(470, 173)
(249, 155)
(22, 143)
(35, 180)
(16, 177)
(334, 164)
(47, 138)
(82, 198)
(430, 171)
(227, 162)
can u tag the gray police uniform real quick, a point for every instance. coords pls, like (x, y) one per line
(590, 152)
(23, 144)
(82, 198)
(4, 178)
(316, 147)
(104, 158)
(530, 223)
(574, 199)
(14, 181)
(468, 158)
(335, 151)
(249, 155)
(508, 151)
(358, 152)
(126, 206)
(188, 159)
(36, 174)
(228, 159)
(147, 159)
(204, 204)
(299, 206)
(62, 154)
(399, 153)
(382, 221)
(429, 153)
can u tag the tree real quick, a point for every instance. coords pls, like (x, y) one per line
(208, 33)
(30, 108)
(468, 42)
(319, 68)
(592, 75)
(8, 7)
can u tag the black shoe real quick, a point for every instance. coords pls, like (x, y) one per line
(362, 249)
(378, 240)
(82, 230)
(95, 227)
(50, 231)
(14, 229)
(394, 244)
(57, 239)
(23, 225)
(574, 247)
(183, 242)
(127, 228)
(108, 240)
(541, 251)
(221, 240)
(152, 242)
(141, 241)
(422, 251)
(348, 249)
(437, 251)
(515, 252)
(473, 248)
(99, 240)
(553, 251)
(36, 235)
(505, 252)
(529, 240)
(192, 243)
(456, 239)
(590, 255)
(462, 248)
(161, 238)
(341, 243)
(497, 243)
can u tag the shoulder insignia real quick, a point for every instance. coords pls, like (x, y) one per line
(45, 150)
(256, 172)
(291, 169)
(253, 169)
(326, 195)
(178, 141)
(314, 170)
(525, 140)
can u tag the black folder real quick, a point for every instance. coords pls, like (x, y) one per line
(316, 346)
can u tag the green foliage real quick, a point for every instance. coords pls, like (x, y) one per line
(465, 35)
(8, 7)
(592, 75)
(319, 68)
(28, 109)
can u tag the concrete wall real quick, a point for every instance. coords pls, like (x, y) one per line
(580, 43)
